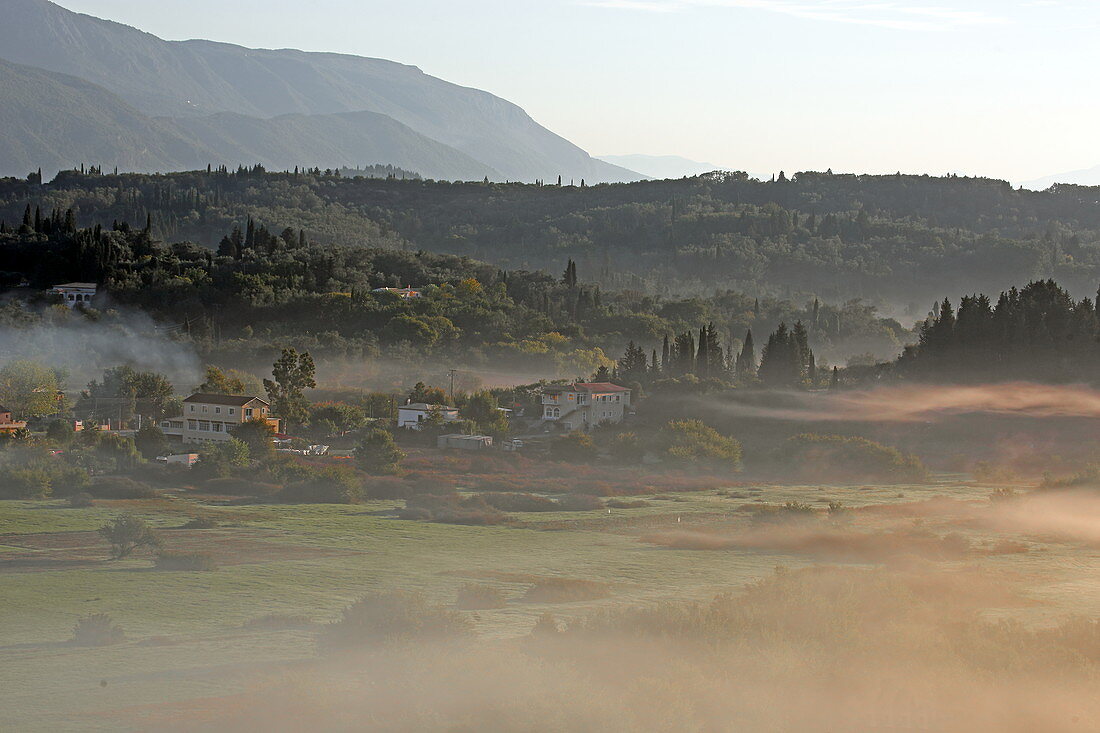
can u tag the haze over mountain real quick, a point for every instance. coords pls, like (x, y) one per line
(443, 130)
(661, 166)
(1085, 177)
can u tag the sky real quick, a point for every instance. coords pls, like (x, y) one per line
(1000, 88)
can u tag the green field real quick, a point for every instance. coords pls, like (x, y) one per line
(186, 631)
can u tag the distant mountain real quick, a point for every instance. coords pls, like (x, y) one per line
(660, 166)
(181, 79)
(56, 121)
(1086, 177)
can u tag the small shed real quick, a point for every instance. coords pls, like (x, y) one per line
(465, 442)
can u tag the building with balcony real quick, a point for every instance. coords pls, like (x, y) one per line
(584, 405)
(211, 417)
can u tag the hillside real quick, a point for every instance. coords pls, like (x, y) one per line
(200, 78)
(55, 121)
(815, 234)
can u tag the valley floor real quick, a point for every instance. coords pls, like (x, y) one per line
(192, 639)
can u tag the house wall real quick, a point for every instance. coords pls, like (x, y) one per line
(219, 420)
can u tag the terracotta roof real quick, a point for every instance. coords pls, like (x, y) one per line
(222, 399)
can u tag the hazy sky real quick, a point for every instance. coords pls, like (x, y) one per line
(1004, 88)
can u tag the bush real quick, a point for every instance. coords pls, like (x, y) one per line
(812, 457)
(381, 618)
(97, 630)
(83, 500)
(185, 561)
(330, 485)
(378, 454)
(200, 523)
(25, 483)
(474, 597)
(520, 502)
(575, 447)
(121, 487)
(231, 486)
(627, 448)
(579, 503)
(693, 441)
(452, 509)
(127, 533)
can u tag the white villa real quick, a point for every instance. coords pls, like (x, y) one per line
(583, 405)
(211, 417)
(406, 292)
(73, 294)
(411, 416)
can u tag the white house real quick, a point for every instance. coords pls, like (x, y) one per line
(73, 294)
(464, 442)
(211, 417)
(412, 415)
(583, 405)
(406, 292)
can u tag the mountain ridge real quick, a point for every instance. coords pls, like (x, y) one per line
(198, 77)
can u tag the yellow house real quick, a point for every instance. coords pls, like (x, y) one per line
(211, 417)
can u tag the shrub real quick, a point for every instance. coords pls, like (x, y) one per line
(1001, 495)
(200, 523)
(68, 480)
(693, 441)
(378, 454)
(330, 485)
(127, 533)
(25, 483)
(121, 487)
(627, 448)
(520, 502)
(83, 500)
(579, 503)
(381, 618)
(97, 630)
(451, 509)
(232, 486)
(473, 597)
(839, 458)
(573, 447)
(167, 560)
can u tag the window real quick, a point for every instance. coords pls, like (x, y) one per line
(192, 425)
(192, 408)
(231, 410)
(248, 413)
(205, 408)
(217, 410)
(217, 427)
(204, 426)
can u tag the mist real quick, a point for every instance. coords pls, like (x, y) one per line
(913, 403)
(83, 347)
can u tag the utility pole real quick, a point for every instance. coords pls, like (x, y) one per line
(453, 371)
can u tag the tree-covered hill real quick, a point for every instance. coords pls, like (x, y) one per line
(901, 240)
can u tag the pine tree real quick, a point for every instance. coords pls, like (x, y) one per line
(746, 360)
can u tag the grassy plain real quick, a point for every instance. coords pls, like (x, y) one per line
(188, 636)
